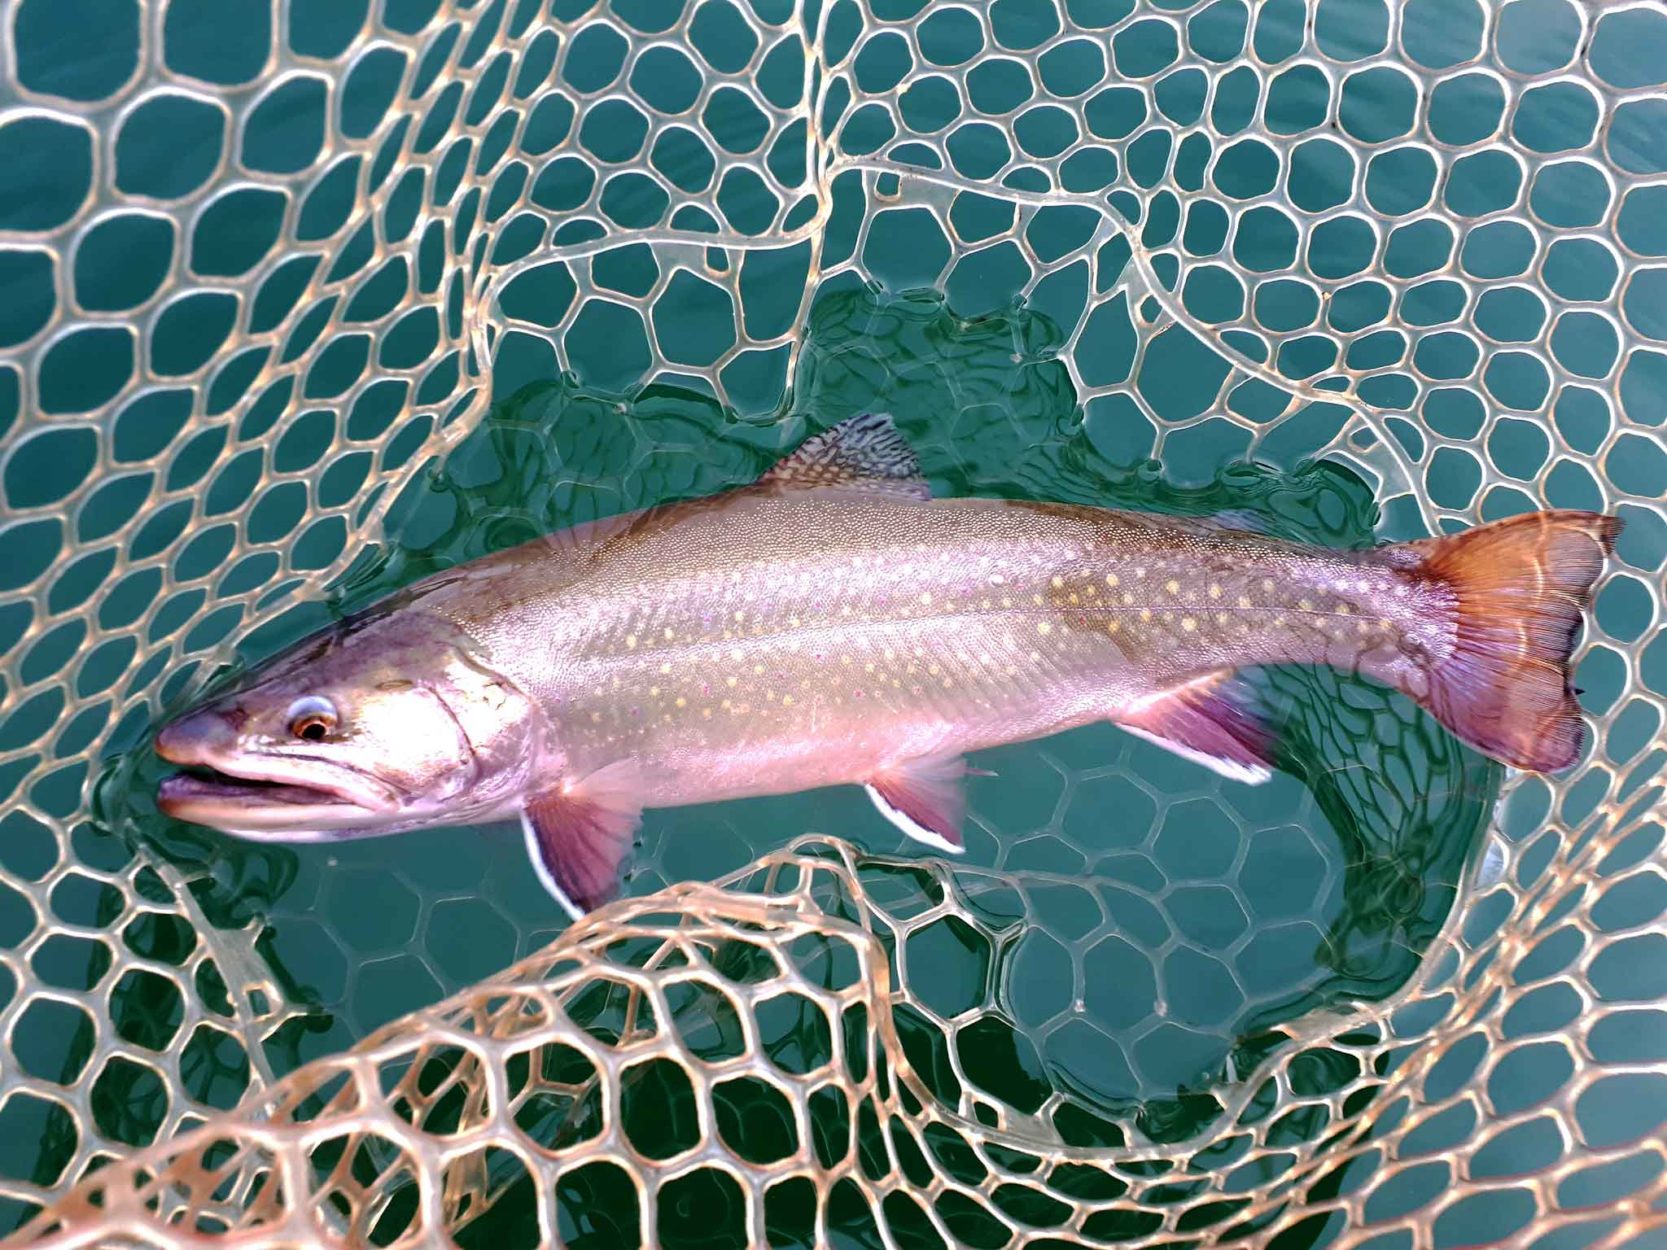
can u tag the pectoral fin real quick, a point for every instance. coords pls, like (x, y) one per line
(578, 834)
(925, 799)
(1212, 721)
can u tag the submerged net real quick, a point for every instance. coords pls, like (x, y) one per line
(266, 265)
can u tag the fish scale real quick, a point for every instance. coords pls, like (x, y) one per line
(835, 624)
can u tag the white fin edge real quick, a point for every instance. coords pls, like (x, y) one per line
(573, 910)
(1251, 776)
(919, 832)
(1491, 869)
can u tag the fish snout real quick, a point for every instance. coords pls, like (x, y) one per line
(195, 737)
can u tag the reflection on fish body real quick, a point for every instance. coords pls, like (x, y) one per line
(834, 624)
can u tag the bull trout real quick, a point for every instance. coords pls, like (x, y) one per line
(834, 624)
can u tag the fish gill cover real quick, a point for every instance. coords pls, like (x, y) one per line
(1300, 262)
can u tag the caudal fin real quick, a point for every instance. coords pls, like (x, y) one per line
(1521, 588)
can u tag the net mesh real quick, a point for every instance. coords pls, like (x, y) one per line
(266, 263)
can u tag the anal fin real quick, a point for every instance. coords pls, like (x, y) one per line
(578, 834)
(925, 798)
(1211, 720)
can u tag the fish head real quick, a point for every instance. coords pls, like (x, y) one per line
(370, 727)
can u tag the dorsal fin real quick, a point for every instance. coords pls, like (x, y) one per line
(863, 453)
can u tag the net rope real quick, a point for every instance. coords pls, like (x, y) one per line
(1420, 239)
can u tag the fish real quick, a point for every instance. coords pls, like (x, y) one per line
(833, 623)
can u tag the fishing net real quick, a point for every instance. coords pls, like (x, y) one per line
(323, 294)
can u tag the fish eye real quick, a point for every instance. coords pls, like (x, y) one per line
(312, 718)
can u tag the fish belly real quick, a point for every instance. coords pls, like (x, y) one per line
(828, 706)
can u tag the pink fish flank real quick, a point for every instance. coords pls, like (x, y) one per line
(834, 624)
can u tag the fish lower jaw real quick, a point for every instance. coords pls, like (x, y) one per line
(261, 781)
(254, 806)
(309, 826)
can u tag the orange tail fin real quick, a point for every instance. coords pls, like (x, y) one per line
(1522, 587)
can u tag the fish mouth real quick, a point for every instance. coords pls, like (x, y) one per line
(253, 795)
(202, 783)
